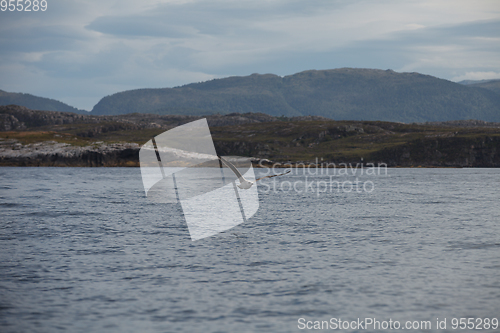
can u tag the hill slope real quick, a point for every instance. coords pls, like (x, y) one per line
(493, 85)
(347, 93)
(36, 103)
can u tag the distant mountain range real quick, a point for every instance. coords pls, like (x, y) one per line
(340, 94)
(36, 103)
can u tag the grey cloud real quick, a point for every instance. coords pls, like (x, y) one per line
(489, 28)
(30, 38)
(105, 63)
(41, 31)
(446, 34)
(178, 57)
(403, 46)
(139, 26)
(393, 52)
(210, 18)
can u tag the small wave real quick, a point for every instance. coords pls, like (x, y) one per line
(472, 246)
(9, 204)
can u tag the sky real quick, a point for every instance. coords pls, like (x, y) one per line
(79, 51)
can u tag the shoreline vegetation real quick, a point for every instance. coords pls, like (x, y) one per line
(50, 138)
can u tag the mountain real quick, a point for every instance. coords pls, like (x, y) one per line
(341, 94)
(36, 103)
(493, 85)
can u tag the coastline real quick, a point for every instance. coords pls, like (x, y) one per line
(100, 154)
(58, 139)
(127, 155)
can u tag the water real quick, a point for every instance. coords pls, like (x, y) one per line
(82, 250)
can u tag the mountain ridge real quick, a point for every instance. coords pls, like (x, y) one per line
(341, 94)
(37, 103)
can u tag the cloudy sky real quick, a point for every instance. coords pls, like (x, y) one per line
(79, 51)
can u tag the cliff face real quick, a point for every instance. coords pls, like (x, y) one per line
(438, 152)
(481, 151)
(10, 123)
(51, 153)
(443, 152)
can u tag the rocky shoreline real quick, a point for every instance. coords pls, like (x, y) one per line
(49, 138)
(479, 153)
(54, 154)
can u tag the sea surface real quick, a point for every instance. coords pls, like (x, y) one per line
(83, 250)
